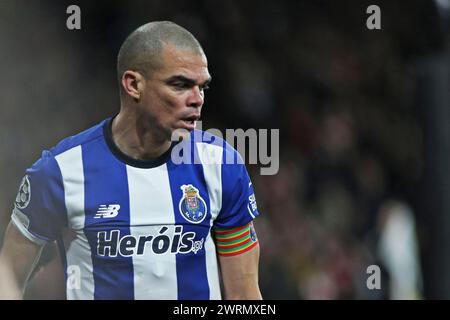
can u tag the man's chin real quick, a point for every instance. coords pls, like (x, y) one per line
(180, 134)
(188, 125)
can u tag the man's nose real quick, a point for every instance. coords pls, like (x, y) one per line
(196, 98)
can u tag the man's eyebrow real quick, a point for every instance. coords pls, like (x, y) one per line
(186, 80)
(208, 81)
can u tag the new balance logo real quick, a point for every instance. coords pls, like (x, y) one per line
(109, 211)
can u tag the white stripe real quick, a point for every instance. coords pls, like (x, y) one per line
(80, 280)
(155, 275)
(250, 211)
(212, 269)
(78, 253)
(71, 166)
(21, 222)
(211, 157)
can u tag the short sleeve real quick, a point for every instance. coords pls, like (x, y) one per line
(238, 198)
(39, 209)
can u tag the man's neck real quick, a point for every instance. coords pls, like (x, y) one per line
(135, 139)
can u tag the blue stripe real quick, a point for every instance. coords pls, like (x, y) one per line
(47, 214)
(237, 191)
(191, 267)
(106, 183)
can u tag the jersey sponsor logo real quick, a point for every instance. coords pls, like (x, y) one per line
(109, 211)
(252, 202)
(192, 206)
(111, 243)
(24, 195)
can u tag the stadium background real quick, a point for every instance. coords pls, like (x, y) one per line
(363, 118)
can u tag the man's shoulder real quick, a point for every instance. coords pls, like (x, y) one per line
(92, 133)
(47, 162)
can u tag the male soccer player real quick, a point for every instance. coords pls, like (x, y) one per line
(131, 220)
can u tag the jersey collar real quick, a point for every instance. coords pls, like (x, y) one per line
(107, 132)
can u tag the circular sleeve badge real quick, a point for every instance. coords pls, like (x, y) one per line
(24, 195)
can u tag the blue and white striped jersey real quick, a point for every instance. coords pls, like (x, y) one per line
(130, 229)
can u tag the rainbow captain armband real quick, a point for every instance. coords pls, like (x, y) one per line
(235, 241)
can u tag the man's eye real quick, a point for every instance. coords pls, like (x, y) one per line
(205, 87)
(180, 85)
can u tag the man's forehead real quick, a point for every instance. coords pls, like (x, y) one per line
(184, 62)
(174, 56)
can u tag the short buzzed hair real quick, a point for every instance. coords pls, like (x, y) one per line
(141, 50)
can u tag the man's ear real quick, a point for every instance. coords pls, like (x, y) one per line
(132, 84)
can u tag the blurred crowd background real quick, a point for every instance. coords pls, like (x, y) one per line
(352, 106)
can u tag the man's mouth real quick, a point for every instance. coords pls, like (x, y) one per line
(193, 117)
(190, 121)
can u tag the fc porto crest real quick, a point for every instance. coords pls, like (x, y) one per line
(24, 195)
(192, 206)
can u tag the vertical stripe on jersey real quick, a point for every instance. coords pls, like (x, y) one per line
(155, 274)
(106, 185)
(191, 267)
(77, 259)
(211, 157)
(212, 269)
